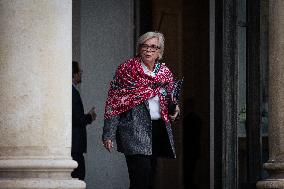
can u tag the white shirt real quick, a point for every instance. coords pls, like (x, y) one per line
(154, 103)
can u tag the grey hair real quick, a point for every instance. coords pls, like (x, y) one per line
(150, 35)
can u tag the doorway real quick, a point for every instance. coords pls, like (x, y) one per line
(104, 35)
(239, 122)
(185, 25)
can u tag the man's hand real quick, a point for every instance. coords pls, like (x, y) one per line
(175, 115)
(93, 113)
(108, 144)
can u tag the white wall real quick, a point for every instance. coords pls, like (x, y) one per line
(106, 41)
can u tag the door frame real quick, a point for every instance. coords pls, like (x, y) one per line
(223, 95)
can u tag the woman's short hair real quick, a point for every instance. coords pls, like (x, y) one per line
(150, 35)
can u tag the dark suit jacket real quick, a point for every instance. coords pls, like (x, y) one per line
(79, 122)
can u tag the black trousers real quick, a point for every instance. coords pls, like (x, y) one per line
(142, 168)
(79, 172)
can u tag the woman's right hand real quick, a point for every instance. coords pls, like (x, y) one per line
(108, 144)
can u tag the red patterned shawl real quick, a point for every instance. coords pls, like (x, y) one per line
(131, 86)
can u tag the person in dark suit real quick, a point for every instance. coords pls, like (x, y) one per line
(79, 122)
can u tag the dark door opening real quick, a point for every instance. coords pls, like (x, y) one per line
(185, 25)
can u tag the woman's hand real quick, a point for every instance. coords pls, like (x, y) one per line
(108, 144)
(175, 115)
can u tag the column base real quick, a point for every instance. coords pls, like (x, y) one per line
(276, 176)
(38, 173)
(270, 184)
(36, 183)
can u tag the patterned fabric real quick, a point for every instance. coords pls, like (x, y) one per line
(132, 131)
(131, 87)
(176, 90)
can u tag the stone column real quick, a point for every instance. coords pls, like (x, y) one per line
(35, 95)
(275, 165)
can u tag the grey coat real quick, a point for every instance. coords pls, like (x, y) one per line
(132, 131)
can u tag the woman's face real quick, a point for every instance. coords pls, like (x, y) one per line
(149, 50)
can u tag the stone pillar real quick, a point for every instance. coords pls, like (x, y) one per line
(275, 165)
(35, 95)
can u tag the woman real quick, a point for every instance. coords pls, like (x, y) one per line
(136, 113)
